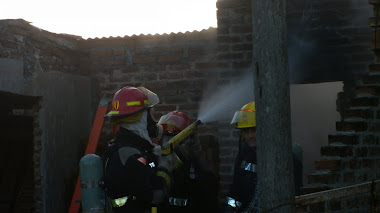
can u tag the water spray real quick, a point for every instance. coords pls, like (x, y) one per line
(168, 147)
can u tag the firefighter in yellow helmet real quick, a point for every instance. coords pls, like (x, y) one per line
(244, 184)
(136, 176)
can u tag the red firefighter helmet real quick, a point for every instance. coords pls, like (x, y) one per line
(128, 101)
(174, 122)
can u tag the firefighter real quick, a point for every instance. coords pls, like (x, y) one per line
(244, 184)
(136, 177)
(195, 186)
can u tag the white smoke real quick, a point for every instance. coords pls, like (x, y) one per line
(220, 102)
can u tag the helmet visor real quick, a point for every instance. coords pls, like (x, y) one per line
(244, 119)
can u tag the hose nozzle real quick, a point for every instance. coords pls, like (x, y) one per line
(168, 147)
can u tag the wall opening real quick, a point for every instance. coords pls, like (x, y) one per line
(17, 186)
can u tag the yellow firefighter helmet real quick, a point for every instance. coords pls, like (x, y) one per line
(245, 117)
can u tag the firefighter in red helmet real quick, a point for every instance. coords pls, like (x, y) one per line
(136, 176)
(195, 187)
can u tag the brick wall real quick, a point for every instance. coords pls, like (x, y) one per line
(352, 155)
(235, 53)
(174, 66)
(178, 67)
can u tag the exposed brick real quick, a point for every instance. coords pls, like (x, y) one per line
(130, 69)
(349, 177)
(374, 152)
(241, 29)
(8, 44)
(334, 205)
(317, 207)
(369, 140)
(229, 39)
(374, 45)
(223, 48)
(168, 58)
(210, 65)
(145, 77)
(118, 51)
(345, 139)
(178, 67)
(341, 151)
(366, 176)
(329, 178)
(365, 101)
(114, 62)
(157, 85)
(358, 113)
(100, 54)
(354, 203)
(165, 107)
(231, 56)
(369, 163)
(332, 165)
(374, 79)
(227, 160)
(242, 47)
(378, 114)
(143, 60)
(301, 209)
(231, 4)
(225, 169)
(374, 67)
(171, 75)
(372, 90)
(152, 67)
(374, 2)
(196, 74)
(139, 51)
(351, 126)
(354, 164)
(242, 65)
(197, 50)
(374, 127)
(175, 49)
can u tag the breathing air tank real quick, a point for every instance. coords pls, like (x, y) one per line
(91, 176)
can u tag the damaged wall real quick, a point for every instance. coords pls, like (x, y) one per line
(40, 64)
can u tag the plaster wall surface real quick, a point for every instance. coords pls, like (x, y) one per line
(314, 114)
(11, 75)
(65, 119)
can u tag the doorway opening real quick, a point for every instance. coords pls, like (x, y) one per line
(17, 186)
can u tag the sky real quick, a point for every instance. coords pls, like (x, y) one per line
(96, 18)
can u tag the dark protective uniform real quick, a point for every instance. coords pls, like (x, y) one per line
(129, 178)
(195, 189)
(244, 184)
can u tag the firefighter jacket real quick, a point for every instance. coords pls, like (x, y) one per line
(195, 189)
(130, 173)
(244, 185)
(244, 182)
